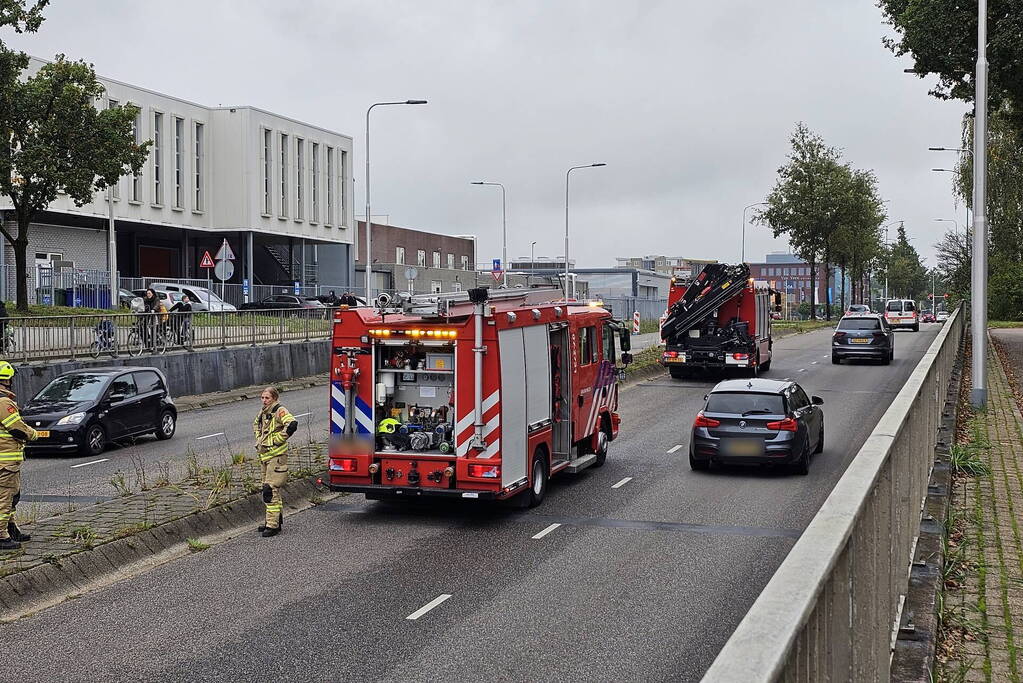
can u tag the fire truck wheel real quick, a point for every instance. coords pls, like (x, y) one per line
(754, 372)
(602, 441)
(538, 490)
(766, 366)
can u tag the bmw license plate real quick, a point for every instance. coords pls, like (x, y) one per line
(860, 341)
(742, 447)
(43, 433)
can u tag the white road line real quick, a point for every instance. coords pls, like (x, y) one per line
(622, 483)
(208, 436)
(814, 362)
(546, 531)
(302, 415)
(428, 606)
(802, 369)
(674, 448)
(91, 462)
(788, 379)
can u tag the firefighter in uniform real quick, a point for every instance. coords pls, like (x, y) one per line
(13, 435)
(273, 426)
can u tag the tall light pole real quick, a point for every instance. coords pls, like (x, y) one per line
(889, 260)
(948, 220)
(978, 396)
(532, 255)
(369, 215)
(568, 174)
(504, 229)
(743, 257)
(115, 289)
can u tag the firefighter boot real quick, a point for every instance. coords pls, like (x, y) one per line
(16, 533)
(271, 531)
(9, 544)
(280, 523)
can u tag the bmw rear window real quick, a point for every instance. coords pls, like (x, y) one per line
(745, 403)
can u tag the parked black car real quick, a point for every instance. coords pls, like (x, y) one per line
(282, 301)
(865, 337)
(83, 410)
(757, 421)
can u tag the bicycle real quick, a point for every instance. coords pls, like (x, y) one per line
(106, 339)
(9, 344)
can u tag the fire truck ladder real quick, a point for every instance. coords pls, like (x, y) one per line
(718, 283)
(441, 303)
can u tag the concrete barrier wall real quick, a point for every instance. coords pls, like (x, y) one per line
(200, 372)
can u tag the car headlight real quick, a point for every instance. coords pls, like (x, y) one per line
(72, 419)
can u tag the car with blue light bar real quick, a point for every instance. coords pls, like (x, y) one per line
(757, 421)
(84, 410)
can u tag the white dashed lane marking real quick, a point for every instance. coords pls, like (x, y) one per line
(208, 436)
(91, 462)
(546, 531)
(622, 483)
(428, 606)
(674, 448)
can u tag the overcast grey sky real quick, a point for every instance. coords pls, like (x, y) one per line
(690, 104)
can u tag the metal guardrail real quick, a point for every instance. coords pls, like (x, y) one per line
(131, 334)
(830, 611)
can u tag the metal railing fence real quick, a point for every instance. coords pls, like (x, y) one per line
(831, 609)
(116, 334)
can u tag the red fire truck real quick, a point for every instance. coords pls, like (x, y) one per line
(479, 394)
(719, 320)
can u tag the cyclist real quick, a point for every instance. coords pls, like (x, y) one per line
(182, 311)
(105, 333)
(147, 322)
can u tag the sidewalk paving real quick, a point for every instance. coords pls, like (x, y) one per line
(984, 585)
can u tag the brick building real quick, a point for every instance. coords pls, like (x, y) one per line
(441, 262)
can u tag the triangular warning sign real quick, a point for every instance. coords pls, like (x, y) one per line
(225, 253)
(207, 260)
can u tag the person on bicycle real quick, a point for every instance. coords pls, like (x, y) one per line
(150, 302)
(105, 333)
(182, 311)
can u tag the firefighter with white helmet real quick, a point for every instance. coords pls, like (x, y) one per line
(13, 435)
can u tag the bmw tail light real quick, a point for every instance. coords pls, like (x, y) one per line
(786, 425)
(704, 421)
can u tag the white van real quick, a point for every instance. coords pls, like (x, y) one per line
(201, 298)
(902, 313)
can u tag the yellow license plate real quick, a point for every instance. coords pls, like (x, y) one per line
(860, 341)
(43, 433)
(675, 360)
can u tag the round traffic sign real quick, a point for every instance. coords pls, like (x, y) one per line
(411, 273)
(224, 270)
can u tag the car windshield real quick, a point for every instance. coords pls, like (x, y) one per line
(73, 388)
(859, 324)
(745, 404)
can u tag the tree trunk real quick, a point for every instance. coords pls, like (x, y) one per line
(21, 262)
(813, 289)
(844, 262)
(827, 289)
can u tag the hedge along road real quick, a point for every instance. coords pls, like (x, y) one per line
(211, 435)
(638, 570)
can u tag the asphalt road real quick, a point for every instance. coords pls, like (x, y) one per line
(211, 435)
(650, 569)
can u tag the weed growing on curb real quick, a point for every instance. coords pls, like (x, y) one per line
(138, 463)
(131, 529)
(71, 507)
(163, 478)
(239, 459)
(196, 546)
(32, 517)
(120, 484)
(84, 535)
(192, 465)
(965, 459)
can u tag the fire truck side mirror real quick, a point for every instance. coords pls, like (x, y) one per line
(625, 340)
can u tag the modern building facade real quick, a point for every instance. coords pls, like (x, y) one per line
(279, 190)
(791, 277)
(665, 265)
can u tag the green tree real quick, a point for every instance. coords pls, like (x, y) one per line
(856, 242)
(807, 199)
(907, 275)
(941, 36)
(59, 141)
(953, 252)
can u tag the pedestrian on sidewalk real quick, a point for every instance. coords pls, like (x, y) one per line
(182, 311)
(13, 435)
(273, 427)
(347, 299)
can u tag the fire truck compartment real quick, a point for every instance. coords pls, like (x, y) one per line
(414, 394)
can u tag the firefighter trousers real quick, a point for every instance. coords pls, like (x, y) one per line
(10, 488)
(275, 475)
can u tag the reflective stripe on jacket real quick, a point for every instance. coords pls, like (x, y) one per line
(270, 428)
(12, 448)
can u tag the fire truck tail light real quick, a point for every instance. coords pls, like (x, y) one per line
(671, 354)
(344, 465)
(487, 471)
(740, 356)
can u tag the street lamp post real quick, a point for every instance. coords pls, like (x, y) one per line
(978, 396)
(369, 215)
(743, 257)
(532, 255)
(504, 230)
(568, 174)
(888, 264)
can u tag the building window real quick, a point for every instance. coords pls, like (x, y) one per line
(436, 286)
(451, 261)
(283, 213)
(399, 255)
(436, 259)
(136, 189)
(179, 162)
(421, 258)
(200, 151)
(267, 172)
(314, 212)
(299, 178)
(343, 191)
(457, 287)
(157, 158)
(329, 219)
(465, 263)
(115, 187)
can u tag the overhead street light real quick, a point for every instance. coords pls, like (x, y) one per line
(978, 294)
(743, 257)
(369, 215)
(568, 174)
(504, 230)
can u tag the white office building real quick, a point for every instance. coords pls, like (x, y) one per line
(279, 190)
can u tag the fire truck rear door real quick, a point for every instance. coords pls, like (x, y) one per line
(525, 395)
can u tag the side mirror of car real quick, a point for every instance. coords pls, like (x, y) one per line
(626, 358)
(115, 398)
(817, 400)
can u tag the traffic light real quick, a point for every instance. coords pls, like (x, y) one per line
(945, 295)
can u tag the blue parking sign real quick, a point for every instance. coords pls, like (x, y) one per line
(298, 289)
(245, 287)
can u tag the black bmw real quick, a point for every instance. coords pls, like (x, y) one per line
(757, 421)
(83, 410)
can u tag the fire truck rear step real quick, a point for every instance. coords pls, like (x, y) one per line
(581, 463)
